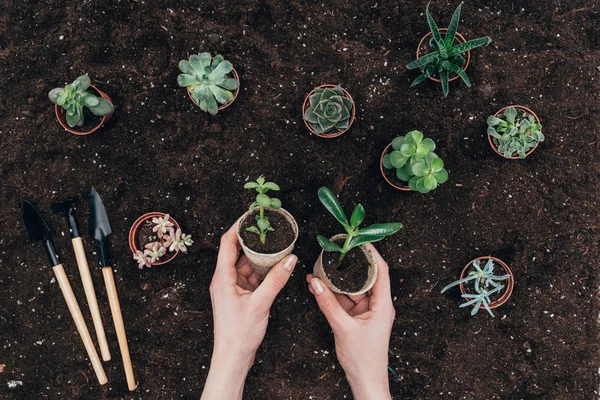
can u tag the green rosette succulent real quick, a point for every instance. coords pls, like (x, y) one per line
(206, 79)
(515, 132)
(329, 108)
(75, 97)
(413, 161)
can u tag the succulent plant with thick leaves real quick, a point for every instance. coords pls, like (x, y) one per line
(329, 108)
(445, 58)
(206, 79)
(413, 161)
(263, 226)
(516, 132)
(74, 98)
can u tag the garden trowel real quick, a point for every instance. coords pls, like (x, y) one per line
(39, 230)
(67, 207)
(99, 227)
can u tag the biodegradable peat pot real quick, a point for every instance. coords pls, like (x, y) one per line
(458, 38)
(493, 140)
(263, 262)
(370, 260)
(60, 116)
(335, 133)
(234, 75)
(508, 289)
(134, 233)
(394, 182)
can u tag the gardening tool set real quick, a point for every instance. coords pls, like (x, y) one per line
(99, 230)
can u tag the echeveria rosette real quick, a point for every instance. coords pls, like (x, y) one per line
(75, 97)
(428, 174)
(329, 108)
(206, 78)
(515, 132)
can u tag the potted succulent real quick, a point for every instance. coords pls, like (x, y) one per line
(486, 292)
(445, 59)
(514, 132)
(211, 83)
(409, 163)
(328, 111)
(155, 239)
(346, 265)
(81, 108)
(266, 232)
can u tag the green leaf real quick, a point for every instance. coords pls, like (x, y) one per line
(275, 204)
(419, 169)
(263, 224)
(260, 180)
(432, 25)
(218, 59)
(251, 185)
(437, 165)
(82, 83)
(441, 176)
(358, 216)
(428, 144)
(419, 62)
(211, 105)
(511, 114)
(404, 173)
(397, 142)
(397, 159)
(230, 84)
(252, 229)
(493, 121)
(412, 184)
(470, 45)
(263, 200)
(332, 204)
(186, 68)
(451, 33)
(91, 100)
(222, 96)
(457, 70)
(380, 229)
(328, 245)
(222, 69)
(415, 137)
(271, 186)
(387, 164)
(419, 79)
(408, 149)
(185, 80)
(55, 94)
(205, 60)
(444, 80)
(104, 107)
(430, 182)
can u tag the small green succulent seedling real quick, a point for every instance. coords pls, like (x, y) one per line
(485, 284)
(329, 108)
(356, 236)
(75, 97)
(415, 162)
(206, 78)
(445, 57)
(516, 132)
(262, 200)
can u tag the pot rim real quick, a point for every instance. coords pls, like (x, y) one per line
(283, 211)
(388, 180)
(135, 230)
(508, 288)
(305, 106)
(59, 111)
(235, 93)
(460, 39)
(491, 141)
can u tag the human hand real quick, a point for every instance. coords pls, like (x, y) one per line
(361, 327)
(241, 305)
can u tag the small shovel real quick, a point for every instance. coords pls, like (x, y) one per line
(39, 230)
(67, 207)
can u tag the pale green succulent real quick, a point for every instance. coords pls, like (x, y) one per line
(329, 108)
(515, 132)
(206, 78)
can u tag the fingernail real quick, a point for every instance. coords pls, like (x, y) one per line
(316, 285)
(289, 263)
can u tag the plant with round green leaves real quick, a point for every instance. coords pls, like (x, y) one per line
(414, 161)
(74, 98)
(356, 236)
(206, 78)
(329, 108)
(262, 201)
(445, 57)
(516, 132)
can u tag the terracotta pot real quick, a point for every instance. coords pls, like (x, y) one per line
(460, 39)
(306, 105)
(60, 116)
(508, 289)
(222, 106)
(135, 231)
(263, 262)
(319, 271)
(388, 180)
(491, 140)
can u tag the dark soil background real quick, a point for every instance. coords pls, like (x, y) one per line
(161, 153)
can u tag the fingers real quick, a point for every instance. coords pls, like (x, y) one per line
(345, 301)
(381, 293)
(228, 256)
(329, 305)
(275, 280)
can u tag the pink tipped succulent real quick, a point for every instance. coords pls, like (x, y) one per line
(161, 225)
(179, 240)
(154, 251)
(142, 260)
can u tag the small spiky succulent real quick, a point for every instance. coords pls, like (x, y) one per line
(515, 132)
(169, 240)
(415, 162)
(74, 98)
(206, 78)
(329, 108)
(263, 226)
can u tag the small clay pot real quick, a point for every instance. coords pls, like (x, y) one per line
(508, 289)
(60, 116)
(135, 231)
(458, 37)
(222, 106)
(263, 262)
(335, 134)
(491, 139)
(388, 180)
(319, 271)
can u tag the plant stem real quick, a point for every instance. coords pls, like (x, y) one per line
(263, 237)
(262, 212)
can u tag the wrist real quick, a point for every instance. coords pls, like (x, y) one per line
(370, 388)
(226, 376)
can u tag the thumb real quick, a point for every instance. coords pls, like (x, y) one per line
(329, 304)
(275, 280)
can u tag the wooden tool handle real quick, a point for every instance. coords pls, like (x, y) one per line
(115, 308)
(63, 281)
(90, 294)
